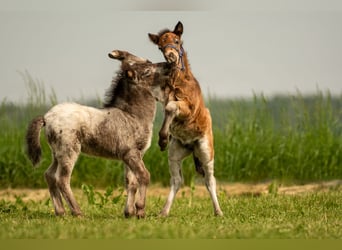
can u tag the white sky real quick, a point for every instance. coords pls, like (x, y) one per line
(235, 48)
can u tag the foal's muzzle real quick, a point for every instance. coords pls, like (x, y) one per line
(171, 53)
(170, 57)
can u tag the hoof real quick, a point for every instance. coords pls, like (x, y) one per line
(218, 213)
(163, 143)
(140, 214)
(129, 214)
(60, 213)
(163, 214)
(77, 214)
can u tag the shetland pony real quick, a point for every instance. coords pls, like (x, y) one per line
(187, 121)
(121, 130)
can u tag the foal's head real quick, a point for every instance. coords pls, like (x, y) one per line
(170, 43)
(151, 77)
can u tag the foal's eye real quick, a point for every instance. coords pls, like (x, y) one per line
(147, 72)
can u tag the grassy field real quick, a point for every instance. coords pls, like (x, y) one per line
(281, 141)
(307, 215)
(286, 138)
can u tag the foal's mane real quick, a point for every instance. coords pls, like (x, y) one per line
(163, 31)
(112, 92)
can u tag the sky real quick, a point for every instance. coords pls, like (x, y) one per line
(235, 48)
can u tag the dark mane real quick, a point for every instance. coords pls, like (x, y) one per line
(112, 92)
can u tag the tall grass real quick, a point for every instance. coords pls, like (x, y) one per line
(289, 138)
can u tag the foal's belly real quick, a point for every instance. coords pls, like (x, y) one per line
(185, 134)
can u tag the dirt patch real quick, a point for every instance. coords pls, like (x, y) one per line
(237, 189)
(323, 186)
(243, 189)
(24, 194)
(230, 189)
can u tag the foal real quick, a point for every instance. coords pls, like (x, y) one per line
(186, 118)
(121, 130)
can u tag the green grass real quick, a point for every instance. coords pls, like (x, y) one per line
(309, 216)
(290, 138)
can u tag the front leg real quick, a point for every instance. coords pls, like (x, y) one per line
(172, 109)
(131, 184)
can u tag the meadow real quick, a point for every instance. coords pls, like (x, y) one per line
(281, 140)
(313, 215)
(291, 139)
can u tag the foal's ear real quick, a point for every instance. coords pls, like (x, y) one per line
(154, 38)
(178, 29)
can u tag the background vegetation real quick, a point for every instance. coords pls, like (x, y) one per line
(291, 138)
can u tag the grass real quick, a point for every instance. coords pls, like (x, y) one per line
(272, 216)
(285, 139)
(253, 142)
(290, 139)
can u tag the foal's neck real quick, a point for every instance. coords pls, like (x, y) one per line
(140, 104)
(184, 67)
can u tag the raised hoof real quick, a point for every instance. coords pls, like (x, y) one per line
(163, 143)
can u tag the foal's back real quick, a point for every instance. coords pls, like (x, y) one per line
(98, 132)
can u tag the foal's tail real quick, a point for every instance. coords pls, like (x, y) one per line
(34, 150)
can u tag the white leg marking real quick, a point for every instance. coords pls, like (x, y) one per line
(203, 152)
(176, 154)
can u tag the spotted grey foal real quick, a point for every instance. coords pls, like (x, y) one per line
(122, 129)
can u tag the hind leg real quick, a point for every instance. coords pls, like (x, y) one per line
(65, 166)
(177, 152)
(131, 183)
(205, 154)
(50, 177)
(210, 183)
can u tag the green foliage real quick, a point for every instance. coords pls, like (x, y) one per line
(285, 138)
(288, 138)
(98, 199)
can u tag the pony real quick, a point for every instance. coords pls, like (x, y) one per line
(187, 122)
(121, 130)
